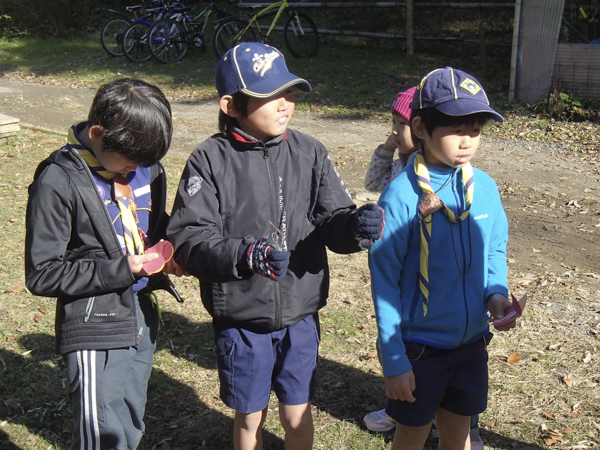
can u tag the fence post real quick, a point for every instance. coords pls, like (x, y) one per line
(482, 44)
(410, 27)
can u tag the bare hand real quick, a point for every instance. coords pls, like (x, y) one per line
(497, 304)
(390, 144)
(171, 267)
(401, 387)
(136, 262)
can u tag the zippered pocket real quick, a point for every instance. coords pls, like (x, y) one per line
(88, 309)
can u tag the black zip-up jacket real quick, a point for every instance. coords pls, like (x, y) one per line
(230, 191)
(72, 253)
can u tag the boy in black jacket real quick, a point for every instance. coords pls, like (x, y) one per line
(256, 208)
(93, 207)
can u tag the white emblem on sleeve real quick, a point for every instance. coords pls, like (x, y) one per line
(193, 185)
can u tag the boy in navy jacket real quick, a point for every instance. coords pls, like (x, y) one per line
(257, 206)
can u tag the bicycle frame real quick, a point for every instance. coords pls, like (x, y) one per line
(280, 6)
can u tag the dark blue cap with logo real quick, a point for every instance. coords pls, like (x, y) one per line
(453, 92)
(257, 70)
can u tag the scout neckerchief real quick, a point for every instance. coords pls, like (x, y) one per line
(430, 203)
(122, 195)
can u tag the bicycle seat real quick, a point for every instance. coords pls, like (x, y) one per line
(131, 8)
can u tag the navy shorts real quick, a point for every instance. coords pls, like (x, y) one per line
(251, 363)
(456, 380)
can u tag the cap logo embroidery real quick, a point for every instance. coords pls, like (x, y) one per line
(262, 63)
(470, 86)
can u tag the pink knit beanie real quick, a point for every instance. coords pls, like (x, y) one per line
(401, 104)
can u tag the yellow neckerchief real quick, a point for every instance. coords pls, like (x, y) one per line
(122, 194)
(434, 203)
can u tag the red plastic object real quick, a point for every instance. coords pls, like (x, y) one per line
(512, 313)
(164, 249)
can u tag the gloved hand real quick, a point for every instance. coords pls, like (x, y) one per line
(263, 259)
(369, 221)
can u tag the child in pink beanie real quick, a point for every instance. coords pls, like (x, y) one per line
(382, 169)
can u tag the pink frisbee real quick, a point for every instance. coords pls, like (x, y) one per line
(164, 249)
(512, 313)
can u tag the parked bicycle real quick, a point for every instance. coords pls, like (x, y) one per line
(135, 39)
(113, 29)
(300, 33)
(170, 39)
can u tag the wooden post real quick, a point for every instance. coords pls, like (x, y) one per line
(512, 89)
(482, 43)
(410, 27)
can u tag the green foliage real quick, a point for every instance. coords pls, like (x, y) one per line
(567, 106)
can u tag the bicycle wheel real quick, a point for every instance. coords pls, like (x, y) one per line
(230, 33)
(167, 41)
(301, 35)
(112, 35)
(135, 42)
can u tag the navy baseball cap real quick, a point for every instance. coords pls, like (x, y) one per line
(454, 93)
(257, 70)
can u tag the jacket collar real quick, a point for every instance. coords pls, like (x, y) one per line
(238, 135)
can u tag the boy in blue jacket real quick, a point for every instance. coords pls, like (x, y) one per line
(440, 267)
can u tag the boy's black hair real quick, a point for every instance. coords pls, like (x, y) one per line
(432, 119)
(136, 118)
(240, 103)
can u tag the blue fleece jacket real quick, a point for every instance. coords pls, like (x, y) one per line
(457, 311)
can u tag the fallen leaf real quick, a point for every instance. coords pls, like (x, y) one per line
(38, 318)
(514, 358)
(549, 415)
(11, 401)
(375, 371)
(568, 380)
(43, 310)
(371, 355)
(587, 358)
(33, 438)
(575, 414)
(351, 340)
(536, 251)
(10, 338)
(554, 346)
(550, 441)
(16, 289)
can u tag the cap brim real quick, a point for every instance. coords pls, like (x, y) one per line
(272, 86)
(466, 106)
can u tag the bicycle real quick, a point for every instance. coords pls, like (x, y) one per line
(580, 25)
(170, 39)
(113, 29)
(300, 33)
(135, 38)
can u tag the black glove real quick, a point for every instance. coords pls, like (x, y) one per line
(263, 259)
(369, 221)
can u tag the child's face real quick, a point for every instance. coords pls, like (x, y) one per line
(268, 117)
(452, 146)
(114, 163)
(401, 134)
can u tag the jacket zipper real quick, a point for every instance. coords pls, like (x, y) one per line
(273, 214)
(464, 262)
(88, 309)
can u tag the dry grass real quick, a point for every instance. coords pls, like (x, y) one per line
(548, 398)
